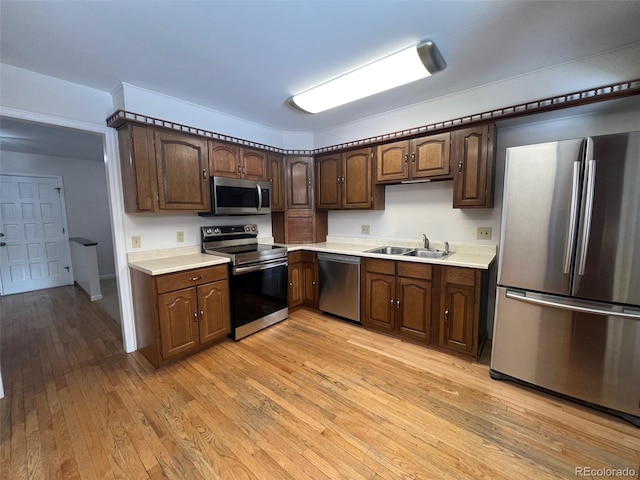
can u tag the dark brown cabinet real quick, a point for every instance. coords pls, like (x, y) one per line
(182, 168)
(299, 183)
(178, 313)
(234, 161)
(460, 310)
(420, 158)
(275, 168)
(345, 181)
(163, 170)
(398, 297)
(473, 176)
(303, 279)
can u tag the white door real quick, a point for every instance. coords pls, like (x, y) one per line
(34, 243)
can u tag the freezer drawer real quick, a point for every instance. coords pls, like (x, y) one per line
(587, 356)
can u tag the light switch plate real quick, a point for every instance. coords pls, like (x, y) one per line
(180, 236)
(136, 242)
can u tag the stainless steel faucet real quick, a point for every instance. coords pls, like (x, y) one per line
(425, 240)
(446, 248)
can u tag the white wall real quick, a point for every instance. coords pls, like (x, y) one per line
(85, 193)
(574, 76)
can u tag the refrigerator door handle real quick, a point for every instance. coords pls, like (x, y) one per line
(573, 219)
(574, 304)
(588, 213)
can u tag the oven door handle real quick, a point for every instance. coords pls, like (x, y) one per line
(262, 266)
(259, 196)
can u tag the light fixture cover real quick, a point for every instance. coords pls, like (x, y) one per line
(400, 68)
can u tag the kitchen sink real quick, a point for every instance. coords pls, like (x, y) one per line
(391, 250)
(427, 253)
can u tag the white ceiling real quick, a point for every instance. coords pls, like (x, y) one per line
(246, 58)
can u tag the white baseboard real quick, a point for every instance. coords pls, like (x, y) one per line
(96, 297)
(107, 276)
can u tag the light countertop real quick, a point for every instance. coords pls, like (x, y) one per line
(159, 262)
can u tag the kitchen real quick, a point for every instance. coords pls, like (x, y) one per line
(397, 221)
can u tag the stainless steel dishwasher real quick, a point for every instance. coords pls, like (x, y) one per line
(340, 285)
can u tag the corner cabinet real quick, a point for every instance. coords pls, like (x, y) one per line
(345, 181)
(473, 175)
(303, 279)
(177, 314)
(163, 171)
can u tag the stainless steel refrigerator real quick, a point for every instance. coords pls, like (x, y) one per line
(568, 297)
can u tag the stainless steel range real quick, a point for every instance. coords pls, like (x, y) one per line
(259, 277)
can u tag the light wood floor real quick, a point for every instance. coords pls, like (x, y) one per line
(309, 398)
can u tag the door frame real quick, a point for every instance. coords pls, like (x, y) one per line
(63, 208)
(116, 209)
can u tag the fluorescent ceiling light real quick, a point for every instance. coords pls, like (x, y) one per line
(405, 66)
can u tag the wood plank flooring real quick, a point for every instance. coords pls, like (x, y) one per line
(309, 398)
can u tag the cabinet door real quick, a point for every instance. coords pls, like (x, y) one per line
(329, 181)
(295, 284)
(380, 303)
(414, 307)
(392, 162)
(224, 159)
(254, 164)
(276, 177)
(178, 315)
(215, 319)
(138, 160)
(473, 167)
(356, 179)
(430, 156)
(299, 182)
(310, 284)
(459, 296)
(182, 163)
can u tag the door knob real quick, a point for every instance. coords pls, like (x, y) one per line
(2, 244)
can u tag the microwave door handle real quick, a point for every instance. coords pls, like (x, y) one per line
(259, 197)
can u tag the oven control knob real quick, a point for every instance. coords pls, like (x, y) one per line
(216, 231)
(247, 228)
(253, 229)
(208, 231)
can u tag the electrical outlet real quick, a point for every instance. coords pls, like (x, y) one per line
(365, 229)
(136, 242)
(180, 236)
(484, 233)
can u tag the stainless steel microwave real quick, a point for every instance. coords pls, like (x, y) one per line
(235, 196)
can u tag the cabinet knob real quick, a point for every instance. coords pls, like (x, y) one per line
(197, 277)
(313, 283)
(195, 317)
(413, 157)
(446, 314)
(204, 174)
(392, 302)
(460, 166)
(406, 158)
(398, 304)
(201, 313)
(238, 169)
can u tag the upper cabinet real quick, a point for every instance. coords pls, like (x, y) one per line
(473, 173)
(420, 158)
(299, 182)
(345, 181)
(275, 168)
(229, 160)
(163, 170)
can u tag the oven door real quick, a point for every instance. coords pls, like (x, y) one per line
(231, 196)
(258, 296)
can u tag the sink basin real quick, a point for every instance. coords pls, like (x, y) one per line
(427, 253)
(391, 250)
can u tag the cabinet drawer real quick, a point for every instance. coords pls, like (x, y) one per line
(295, 257)
(387, 267)
(190, 278)
(460, 276)
(414, 270)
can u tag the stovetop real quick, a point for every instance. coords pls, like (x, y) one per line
(240, 244)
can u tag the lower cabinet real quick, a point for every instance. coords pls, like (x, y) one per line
(402, 298)
(303, 279)
(398, 297)
(179, 313)
(460, 327)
